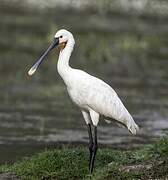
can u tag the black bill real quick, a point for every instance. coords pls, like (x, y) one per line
(40, 60)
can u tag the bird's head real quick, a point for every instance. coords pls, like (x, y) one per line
(61, 38)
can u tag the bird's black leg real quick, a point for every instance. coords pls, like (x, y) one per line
(90, 143)
(94, 150)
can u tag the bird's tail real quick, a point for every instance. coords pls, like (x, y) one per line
(132, 126)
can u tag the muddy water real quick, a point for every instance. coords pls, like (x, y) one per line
(128, 52)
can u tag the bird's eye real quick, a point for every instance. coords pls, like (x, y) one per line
(60, 36)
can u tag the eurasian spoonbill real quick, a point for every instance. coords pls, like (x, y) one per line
(93, 96)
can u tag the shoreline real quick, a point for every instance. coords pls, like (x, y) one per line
(147, 162)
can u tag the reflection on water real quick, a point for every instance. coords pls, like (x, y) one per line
(130, 54)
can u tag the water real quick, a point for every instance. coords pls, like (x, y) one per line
(130, 53)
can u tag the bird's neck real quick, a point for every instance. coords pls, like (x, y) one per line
(63, 60)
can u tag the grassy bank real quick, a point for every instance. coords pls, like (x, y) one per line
(149, 162)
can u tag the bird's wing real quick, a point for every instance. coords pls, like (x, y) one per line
(102, 98)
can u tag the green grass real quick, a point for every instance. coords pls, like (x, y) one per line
(72, 163)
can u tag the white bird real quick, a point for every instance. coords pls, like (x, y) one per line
(93, 96)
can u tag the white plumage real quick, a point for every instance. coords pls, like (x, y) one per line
(93, 96)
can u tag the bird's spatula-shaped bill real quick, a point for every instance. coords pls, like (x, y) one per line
(40, 60)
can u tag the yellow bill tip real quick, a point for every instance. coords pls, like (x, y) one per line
(31, 71)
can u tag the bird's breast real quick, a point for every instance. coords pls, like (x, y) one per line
(78, 96)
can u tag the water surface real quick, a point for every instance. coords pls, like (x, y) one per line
(128, 52)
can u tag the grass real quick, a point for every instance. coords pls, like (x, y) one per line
(148, 162)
